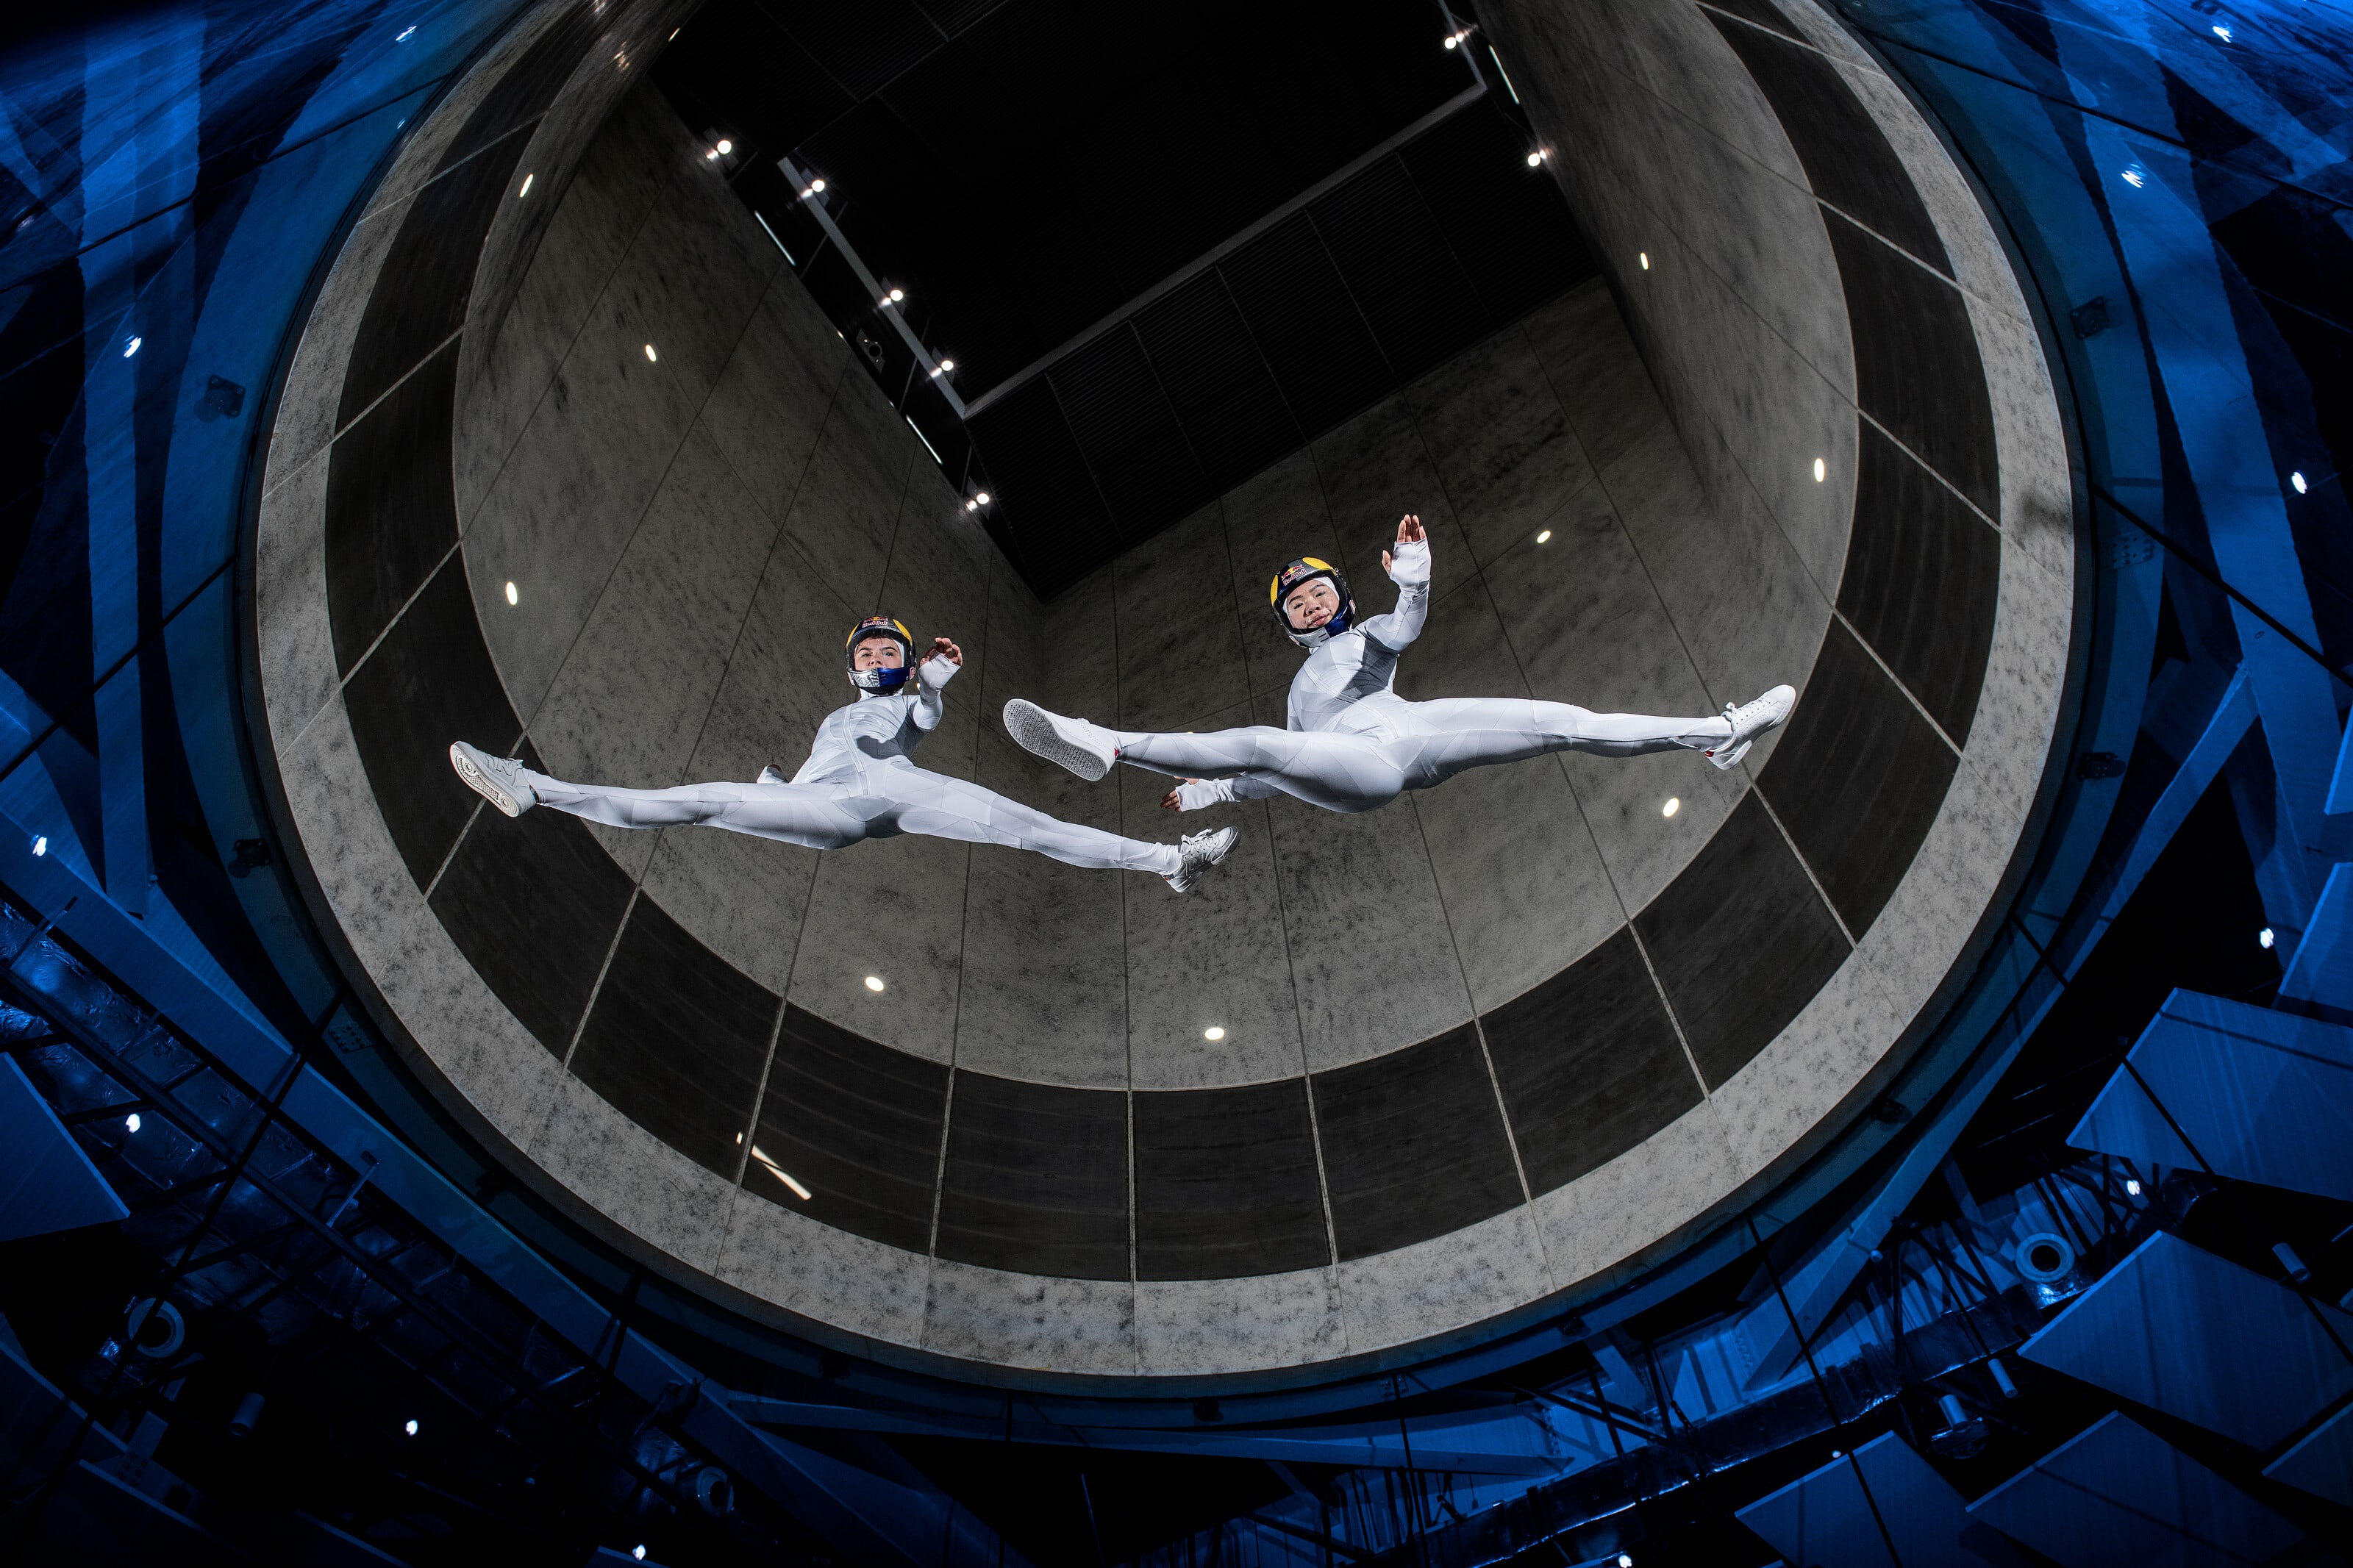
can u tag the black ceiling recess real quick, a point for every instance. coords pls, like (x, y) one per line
(1163, 246)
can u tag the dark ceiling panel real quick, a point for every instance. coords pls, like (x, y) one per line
(1028, 171)
(1129, 434)
(1307, 324)
(1031, 455)
(1399, 270)
(1507, 223)
(745, 77)
(863, 46)
(1217, 380)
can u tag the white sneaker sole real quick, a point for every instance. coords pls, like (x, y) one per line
(1035, 731)
(481, 783)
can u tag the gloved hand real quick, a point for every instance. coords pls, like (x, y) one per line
(1409, 563)
(1195, 793)
(936, 672)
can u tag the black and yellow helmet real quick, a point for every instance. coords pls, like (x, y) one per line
(879, 681)
(1306, 569)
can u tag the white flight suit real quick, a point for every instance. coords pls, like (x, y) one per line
(859, 783)
(1353, 745)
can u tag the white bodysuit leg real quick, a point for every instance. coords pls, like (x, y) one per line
(1446, 736)
(1339, 770)
(882, 800)
(1392, 745)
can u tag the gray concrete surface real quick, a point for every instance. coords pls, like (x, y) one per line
(690, 536)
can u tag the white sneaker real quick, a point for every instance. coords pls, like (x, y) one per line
(1749, 721)
(1201, 852)
(1087, 750)
(497, 780)
(772, 774)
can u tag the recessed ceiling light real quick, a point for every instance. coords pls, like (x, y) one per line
(649, 351)
(130, 1122)
(1544, 537)
(2265, 937)
(511, 593)
(1535, 159)
(1644, 256)
(726, 146)
(875, 983)
(982, 498)
(2296, 479)
(527, 179)
(1821, 470)
(1674, 803)
(1214, 1032)
(2132, 1187)
(409, 1426)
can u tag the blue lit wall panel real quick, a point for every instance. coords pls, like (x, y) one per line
(46, 1183)
(2184, 1331)
(2119, 1494)
(1846, 1514)
(2263, 1096)
(2322, 1462)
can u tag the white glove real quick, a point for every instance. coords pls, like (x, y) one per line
(936, 672)
(1409, 564)
(1202, 793)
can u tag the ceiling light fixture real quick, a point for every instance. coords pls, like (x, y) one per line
(41, 845)
(2265, 937)
(649, 353)
(982, 498)
(1536, 158)
(1821, 470)
(875, 983)
(726, 146)
(1644, 257)
(1214, 1032)
(2132, 1187)
(1455, 40)
(409, 1426)
(511, 593)
(1674, 803)
(131, 347)
(527, 179)
(2296, 479)
(130, 1122)
(2135, 178)
(1544, 536)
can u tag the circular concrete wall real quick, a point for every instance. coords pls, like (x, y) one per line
(1484, 1048)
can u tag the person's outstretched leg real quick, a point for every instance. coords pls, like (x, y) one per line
(1449, 735)
(809, 815)
(1336, 770)
(943, 807)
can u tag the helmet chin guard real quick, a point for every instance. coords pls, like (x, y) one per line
(1305, 570)
(879, 681)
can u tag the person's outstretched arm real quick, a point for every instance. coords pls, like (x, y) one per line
(939, 666)
(1409, 568)
(1193, 794)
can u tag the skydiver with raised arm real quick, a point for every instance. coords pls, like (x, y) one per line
(1352, 743)
(859, 782)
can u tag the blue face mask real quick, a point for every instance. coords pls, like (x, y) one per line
(881, 678)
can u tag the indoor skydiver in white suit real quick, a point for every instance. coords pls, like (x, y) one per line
(1352, 743)
(859, 782)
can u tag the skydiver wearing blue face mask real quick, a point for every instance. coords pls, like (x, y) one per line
(859, 782)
